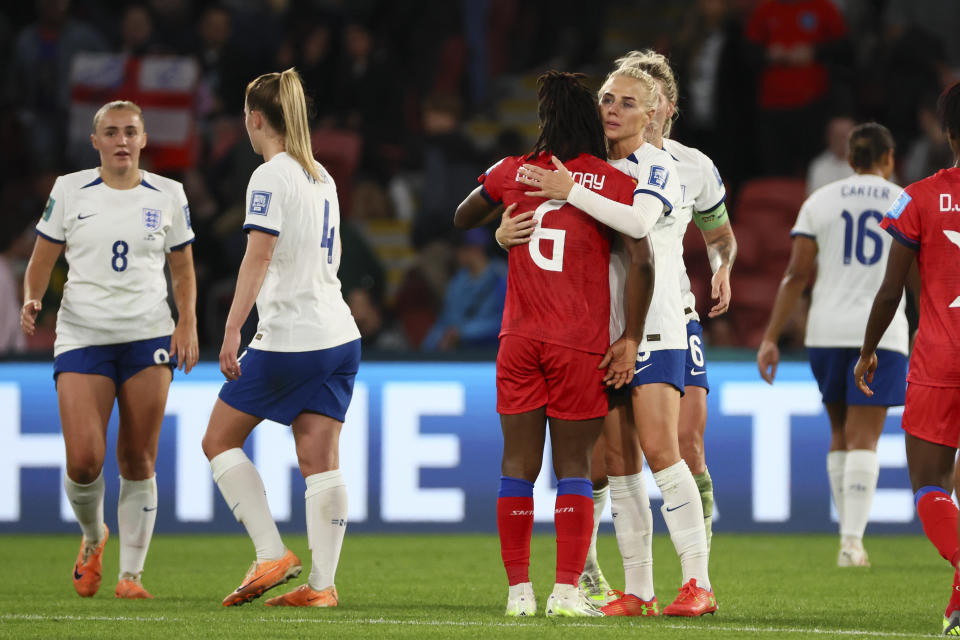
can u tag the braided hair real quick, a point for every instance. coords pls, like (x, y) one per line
(948, 108)
(569, 120)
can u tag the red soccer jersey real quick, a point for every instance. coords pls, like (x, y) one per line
(926, 218)
(558, 287)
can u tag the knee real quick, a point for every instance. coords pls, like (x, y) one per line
(84, 469)
(136, 465)
(519, 468)
(691, 445)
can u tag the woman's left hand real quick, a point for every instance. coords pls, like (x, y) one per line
(185, 345)
(554, 185)
(229, 363)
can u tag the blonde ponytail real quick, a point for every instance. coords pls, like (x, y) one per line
(293, 104)
(280, 97)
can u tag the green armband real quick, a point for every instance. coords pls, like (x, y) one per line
(716, 217)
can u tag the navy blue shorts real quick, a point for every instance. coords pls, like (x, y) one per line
(695, 370)
(833, 369)
(664, 366)
(279, 386)
(119, 362)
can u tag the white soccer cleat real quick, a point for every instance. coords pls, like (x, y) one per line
(596, 588)
(521, 603)
(852, 554)
(568, 601)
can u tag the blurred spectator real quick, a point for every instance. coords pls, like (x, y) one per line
(831, 164)
(38, 78)
(360, 267)
(451, 165)
(716, 113)
(937, 20)
(225, 65)
(929, 151)
(473, 305)
(136, 31)
(317, 62)
(797, 44)
(377, 329)
(174, 24)
(15, 247)
(369, 96)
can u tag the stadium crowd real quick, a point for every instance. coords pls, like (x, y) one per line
(412, 101)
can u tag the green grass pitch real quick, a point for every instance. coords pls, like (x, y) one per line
(453, 586)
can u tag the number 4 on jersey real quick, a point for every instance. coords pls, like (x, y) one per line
(954, 237)
(328, 232)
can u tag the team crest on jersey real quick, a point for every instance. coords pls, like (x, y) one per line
(259, 202)
(658, 176)
(151, 219)
(899, 205)
(186, 214)
(47, 210)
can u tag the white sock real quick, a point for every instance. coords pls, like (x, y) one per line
(326, 509)
(243, 490)
(633, 523)
(683, 513)
(599, 504)
(136, 514)
(835, 464)
(860, 473)
(87, 503)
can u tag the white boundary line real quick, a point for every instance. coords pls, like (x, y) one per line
(719, 627)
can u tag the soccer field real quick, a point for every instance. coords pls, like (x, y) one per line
(453, 586)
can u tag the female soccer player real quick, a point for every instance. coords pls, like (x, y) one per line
(300, 366)
(116, 338)
(553, 339)
(837, 235)
(925, 223)
(649, 417)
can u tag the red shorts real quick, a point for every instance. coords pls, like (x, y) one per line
(531, 374)
(933, 414)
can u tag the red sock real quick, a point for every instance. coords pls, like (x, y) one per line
(954, 603)
(515, 524)
(938, 515)
(573, 519)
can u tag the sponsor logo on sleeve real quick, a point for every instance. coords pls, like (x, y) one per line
(899, 205)
(47, 210)
(151, 219)
(658, 176)
(259, 202)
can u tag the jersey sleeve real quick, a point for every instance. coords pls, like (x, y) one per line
(709, 208)
(180, 233)
(51, 222)
(492, 181)
(657, 177)
(903, 220)
(264, 202)
(804, 224)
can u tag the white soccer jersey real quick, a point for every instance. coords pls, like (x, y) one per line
(701, 191)
(116, 243)
(843, 218)
(665, 328)
(300, 304)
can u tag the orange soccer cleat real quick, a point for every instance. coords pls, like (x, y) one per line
(89, 566)
(627, 604)
(131, 589)
(263, 576)
(306, 596)
(693, 601)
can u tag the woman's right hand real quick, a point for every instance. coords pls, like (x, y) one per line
(768, 357)
(229, 363)
(515, 230)
(28, 316)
